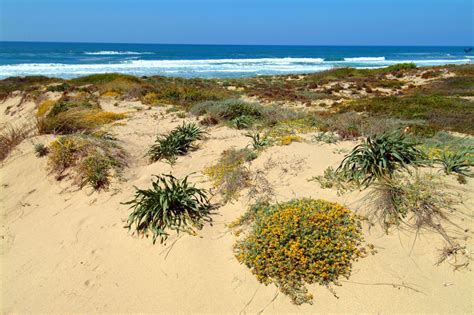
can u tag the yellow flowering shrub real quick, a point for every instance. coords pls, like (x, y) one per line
(287, 140)
(300, 242)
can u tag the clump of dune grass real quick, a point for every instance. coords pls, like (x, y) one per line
(230, 175)
(178, 142)
(71, 116)
(89, 160)
(11, 136)
(298, 243)
(170, 204)
(419, 201)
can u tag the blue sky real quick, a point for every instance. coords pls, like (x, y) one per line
(293, 22)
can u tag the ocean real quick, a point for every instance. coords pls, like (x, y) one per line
(67, 60)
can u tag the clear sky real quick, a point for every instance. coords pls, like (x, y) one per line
(312, 22)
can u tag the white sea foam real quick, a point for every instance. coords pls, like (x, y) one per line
(108, 52)
(364, 59)
(207, 68)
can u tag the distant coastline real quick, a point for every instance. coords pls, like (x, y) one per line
(69, 60)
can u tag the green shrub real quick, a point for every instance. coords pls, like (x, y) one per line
(58, 87)
(300, 242)
(400, 66)
(41, 150)
(442, 113)
(171, 204)
(102, 78)
(178, 142)
(379, 157)
(227, 110)
(326, 137)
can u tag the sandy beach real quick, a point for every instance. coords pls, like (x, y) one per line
(66, 249)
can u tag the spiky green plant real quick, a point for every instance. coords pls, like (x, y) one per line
(243, 122)
(170, 204)
(379, 157)
(459, 162)
(41, 150)
(178, 142)
(258, 142)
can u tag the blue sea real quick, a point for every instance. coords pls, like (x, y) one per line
(67, 60)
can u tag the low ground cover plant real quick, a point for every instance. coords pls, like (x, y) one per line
(178, 142)
(440, 112)
(87, 159)
(299, 242)
(170, 204)
(230, 175)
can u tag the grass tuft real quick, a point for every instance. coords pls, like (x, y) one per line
(11, 136)
(170, 204)
(178, 142)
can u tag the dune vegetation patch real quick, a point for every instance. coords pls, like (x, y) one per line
(71, 116)
(229, 174)
(11, 136)
(177, 142)
(300, 242)
(170, 204)
(88, 160)
(439, 112)
(400, 193)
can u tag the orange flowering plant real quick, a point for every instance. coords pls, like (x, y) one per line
(300, 242)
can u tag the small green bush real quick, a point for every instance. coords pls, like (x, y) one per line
(171, 204)
(178, 142)
(227, 110)
(41, 150)
(379, 157)
(299, 242)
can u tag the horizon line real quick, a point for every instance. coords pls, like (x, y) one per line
(214, 44)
